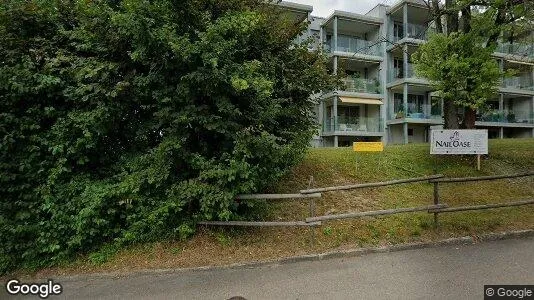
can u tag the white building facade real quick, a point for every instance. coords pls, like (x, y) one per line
(383, 99)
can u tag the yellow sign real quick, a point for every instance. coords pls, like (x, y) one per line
(368, 146)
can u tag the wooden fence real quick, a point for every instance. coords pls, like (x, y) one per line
(313, 193)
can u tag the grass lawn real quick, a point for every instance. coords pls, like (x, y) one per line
(217, 246)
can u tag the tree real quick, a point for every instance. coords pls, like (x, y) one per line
(461, 70)
(128, 121)
(484, 21)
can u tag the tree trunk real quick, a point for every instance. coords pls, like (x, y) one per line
(469, 118)
(500, 19)
(450, 114)
(452, 17)
(437, 16)
(466, 19)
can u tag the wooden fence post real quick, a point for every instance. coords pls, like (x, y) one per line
(436, 202)
(312, 213)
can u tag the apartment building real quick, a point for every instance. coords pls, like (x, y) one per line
(383, 99)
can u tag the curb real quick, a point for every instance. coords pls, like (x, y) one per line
(312, 257)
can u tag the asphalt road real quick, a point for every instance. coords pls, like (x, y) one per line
(448, 272)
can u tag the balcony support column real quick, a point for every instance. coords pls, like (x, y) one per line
(405, 132)
(532, 115)
(391, 104)
(335, 35)
(322, 116)
(405, 109)
(335, 65)
(405, 20)
(321, 39)
(405, 61)
(501, 102)
(405, 99)
(308, 19)
(335, 121)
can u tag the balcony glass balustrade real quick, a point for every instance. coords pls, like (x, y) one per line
(518, 82)
(351, 44)
(417, 112)
(353, 124)
(398, 73)
(516, 49)
(361, 85)
(414, 31)
(496, 116)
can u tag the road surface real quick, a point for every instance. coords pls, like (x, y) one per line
(447, 272)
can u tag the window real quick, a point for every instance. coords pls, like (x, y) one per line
(410, 131)
(348, 114)
(398, 66)
(398, 31)
(416, 104)
(435, 106)
(343, 43)
(398, 110)
(416, 107)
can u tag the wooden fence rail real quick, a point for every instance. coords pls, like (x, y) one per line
(481, 178)
(277, 196)
(371, 184)
(375, 213)
(258, 224)
(312, 193)
(482, 206)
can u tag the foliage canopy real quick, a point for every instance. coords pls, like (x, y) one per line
(460, 68)
(127, 121)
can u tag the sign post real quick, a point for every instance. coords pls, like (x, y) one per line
(465, 141)
(457, 142)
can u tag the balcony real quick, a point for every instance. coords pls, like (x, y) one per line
(516, 49)
(510, 117)
(418, 112)
(314, 41)
(354, 125)
(414, 31)
(350, 44)
(398, 73)
(361, 85)
(518, 83)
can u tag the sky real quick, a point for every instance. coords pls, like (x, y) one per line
(323, 8)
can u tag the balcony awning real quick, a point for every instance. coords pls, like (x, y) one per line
(360, 100)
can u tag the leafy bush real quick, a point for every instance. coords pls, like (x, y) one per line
(128, 121)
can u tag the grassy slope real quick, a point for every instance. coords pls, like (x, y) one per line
(341, 166)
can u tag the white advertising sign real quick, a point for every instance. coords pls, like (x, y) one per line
(460, 141)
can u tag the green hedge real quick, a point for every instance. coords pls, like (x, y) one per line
(128, 121)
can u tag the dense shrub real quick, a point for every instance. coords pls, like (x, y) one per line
(128, 121)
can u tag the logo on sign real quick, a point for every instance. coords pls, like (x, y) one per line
(454, 142)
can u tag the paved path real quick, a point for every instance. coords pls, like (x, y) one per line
(449, 272)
